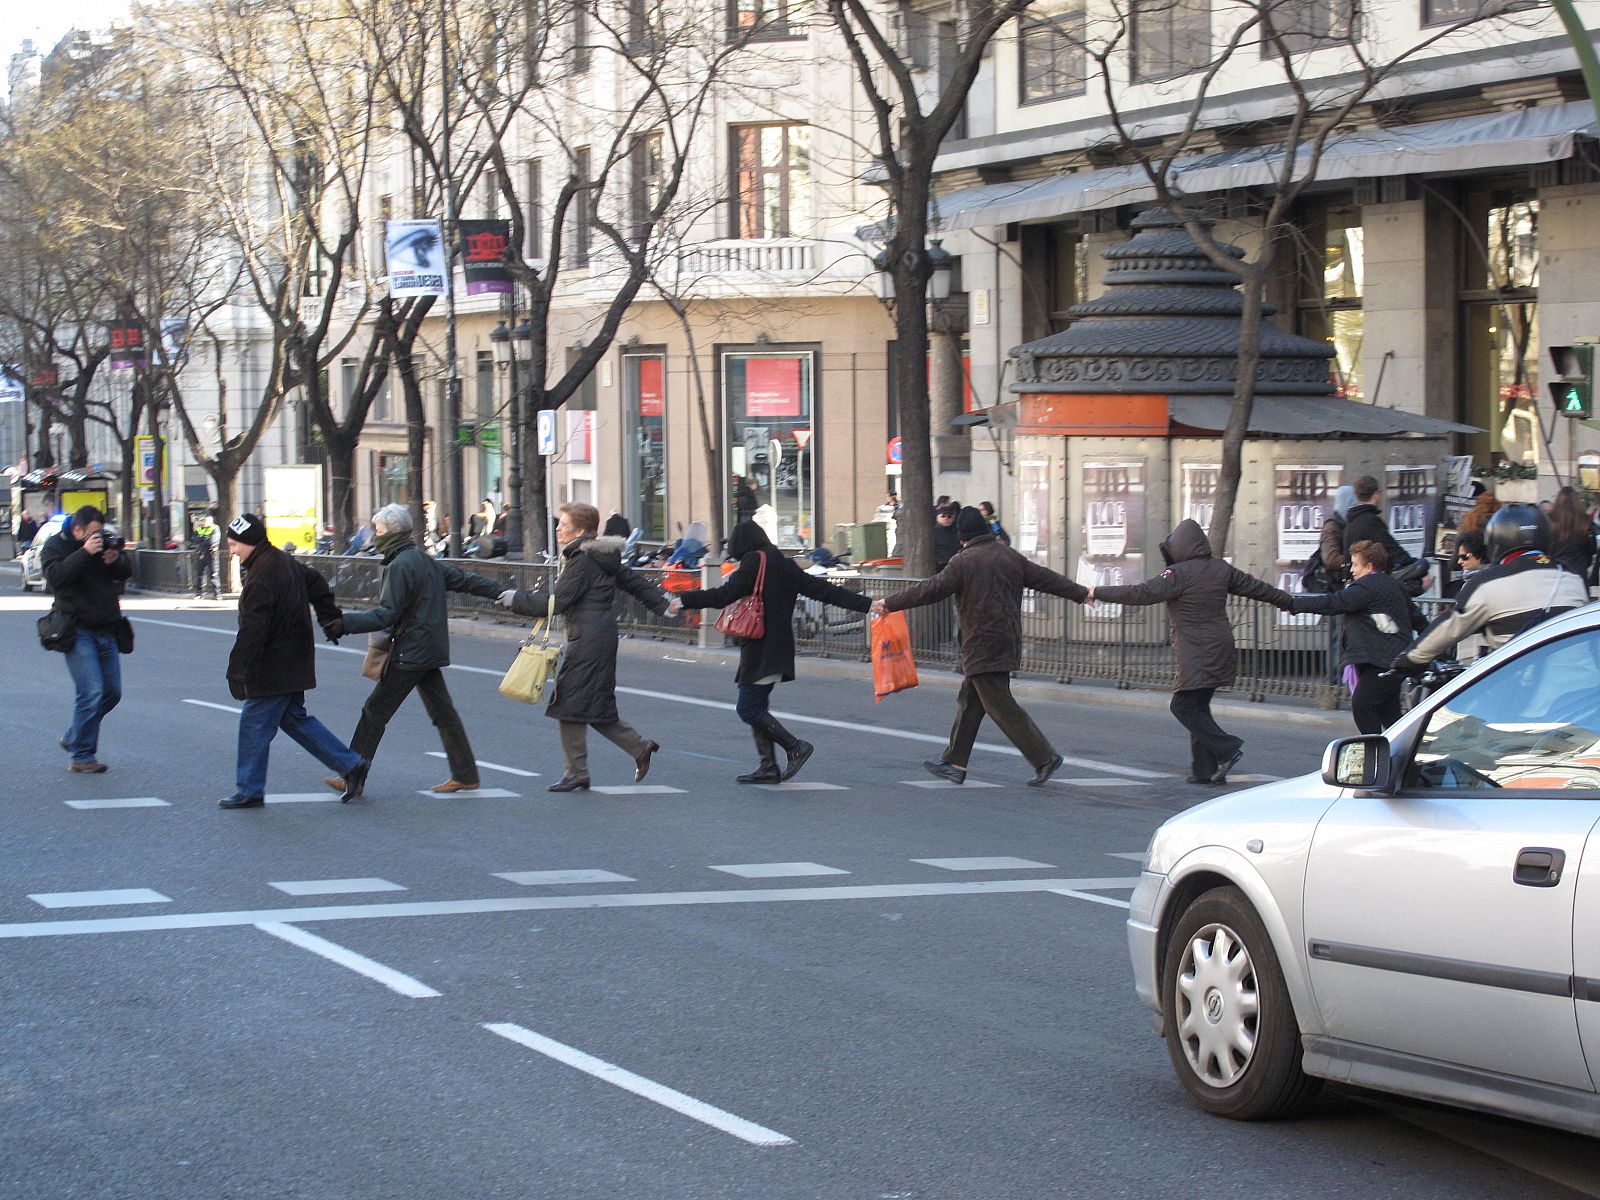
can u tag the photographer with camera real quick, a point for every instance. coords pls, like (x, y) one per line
(84, 567)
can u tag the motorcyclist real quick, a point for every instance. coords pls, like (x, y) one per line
(1522, 586)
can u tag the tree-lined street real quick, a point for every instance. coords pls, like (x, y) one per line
(864, 983)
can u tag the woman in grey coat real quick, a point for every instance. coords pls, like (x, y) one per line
(1195, 588)
(586, 685)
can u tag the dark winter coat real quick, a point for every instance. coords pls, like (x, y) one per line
(987, 579)
(276, 649)
(1379, 618)
(585, 593)
(84, 585)
(1335, 562)
(946, 544)
(1195, 589)
(408, 573)
(772, 654)
(1575, 554)
(1364, 523)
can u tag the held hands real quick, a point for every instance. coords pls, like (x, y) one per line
(674, 606)
(505, 598)
(333, 630)
(1089, 599)
(879, 608)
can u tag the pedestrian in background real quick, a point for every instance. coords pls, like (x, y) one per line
(1330, 548)
(85, 575)
(204, 543)
(768, 660)
(1379, 621)
(273, 666)
(946, 538)
(1476, 517)
(1000, 534)
(585, 593)
(1364, 523)
(27, 530)
(1571, 534)
(1195, 588)
(986, 580)
(411, 605)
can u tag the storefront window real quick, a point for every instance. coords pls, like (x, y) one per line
(1332, 274)
(644, 458)
(769, 404)
(1501, 300)
(394, 479)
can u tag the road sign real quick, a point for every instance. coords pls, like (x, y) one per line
(894, 450)
(802, 437)
(547, 431)
(1572, 389)
(466, 435)
(489, 437)
(147, 453)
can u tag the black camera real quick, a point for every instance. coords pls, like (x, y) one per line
(111, 541)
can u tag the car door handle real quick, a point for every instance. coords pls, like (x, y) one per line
(1539, 866)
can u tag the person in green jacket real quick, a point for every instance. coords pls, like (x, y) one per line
(411, 606)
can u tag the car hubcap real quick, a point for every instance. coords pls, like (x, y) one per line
(1217, 1009)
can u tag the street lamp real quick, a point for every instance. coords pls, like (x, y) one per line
(512, 355)
(941, 269)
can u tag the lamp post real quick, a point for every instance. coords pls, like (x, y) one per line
(511, 355)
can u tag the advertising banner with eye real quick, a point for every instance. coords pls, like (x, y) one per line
(415, 253)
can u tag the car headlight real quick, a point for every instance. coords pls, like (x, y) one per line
(1142, 904)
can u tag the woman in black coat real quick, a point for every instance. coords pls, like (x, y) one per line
(765, 661)
(1379, 621)
(586, 683)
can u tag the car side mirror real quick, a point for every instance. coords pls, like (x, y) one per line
(1358, 762)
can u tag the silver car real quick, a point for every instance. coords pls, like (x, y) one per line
(1422, 918)
(32, 567)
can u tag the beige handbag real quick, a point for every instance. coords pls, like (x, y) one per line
(535, 665)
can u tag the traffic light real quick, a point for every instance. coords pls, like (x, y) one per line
(1572, 389)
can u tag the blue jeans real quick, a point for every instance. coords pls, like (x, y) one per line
(261, 720)
(96, 667)
(753, 702)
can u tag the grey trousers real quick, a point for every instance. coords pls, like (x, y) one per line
(575, 742)
(990, 695)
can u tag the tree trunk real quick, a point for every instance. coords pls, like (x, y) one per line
(341, 458)
(227, 565)
(914, 533)
(1248, 361)
(125, 517)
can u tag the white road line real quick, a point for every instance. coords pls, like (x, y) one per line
(334, 887)
(639, 789)
(227, 708)
(1258, 778)
(648, 1089)
(783, 870)
(489, 766)
(1000, 863)
(394, 980)
(943, 785)
(536, 878)
(302, 797)
(96, 899)
(1100, 782)
(1077, 895)
(723, 706)
(125, 802)
(474, 794)
(451, 908)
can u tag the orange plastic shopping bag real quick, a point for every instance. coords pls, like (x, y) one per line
(893, 668)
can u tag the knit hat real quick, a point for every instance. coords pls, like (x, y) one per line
(248, 528)
(970, 523)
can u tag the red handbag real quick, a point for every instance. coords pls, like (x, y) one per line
(746, 617)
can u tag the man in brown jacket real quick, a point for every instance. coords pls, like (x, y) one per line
(987, 579)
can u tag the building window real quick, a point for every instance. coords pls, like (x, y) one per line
(489, 187)
(1170, 37)
(771, 180)
(646, 182)
(1448, 12)
(647, 30)
(1068, 282)
(1500, 302)
(764, 19)
(587, 396)
(1307, 24)
(490, 456)
(394, 479)
(578, 212)
(770, 412)
(644, 458)
(1050, 56)
(533, 209)
(580, 37)
(1332, 268)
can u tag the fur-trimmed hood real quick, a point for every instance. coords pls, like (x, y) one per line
(606, 551)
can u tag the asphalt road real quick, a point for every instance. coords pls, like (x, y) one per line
(861, 986)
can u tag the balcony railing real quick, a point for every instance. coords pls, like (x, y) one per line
(767, 256)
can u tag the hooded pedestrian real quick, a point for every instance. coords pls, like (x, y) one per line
(1195, 588)
(987, 579)
(768, 660)
(1331, 553)
(273, 666)
(411, 605)
(585, 594)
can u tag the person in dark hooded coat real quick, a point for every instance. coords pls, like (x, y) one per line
(1195, 588)
(586, 684)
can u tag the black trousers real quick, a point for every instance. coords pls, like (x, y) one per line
(384, 701)
(1375, 703)
(1209, 744)
(990, 695)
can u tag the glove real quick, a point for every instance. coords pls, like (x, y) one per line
(505, 598)
(1402, 665)
(236, 688)
(334, 629)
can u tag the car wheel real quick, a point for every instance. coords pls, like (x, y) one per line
(1230, 1026)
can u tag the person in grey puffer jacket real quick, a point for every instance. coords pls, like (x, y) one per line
(411, 605)
(1195, 588)
(1379, 621)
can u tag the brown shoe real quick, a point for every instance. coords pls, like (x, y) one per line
(455, 785)
(336, 782)
(641, 765)
(88, 767)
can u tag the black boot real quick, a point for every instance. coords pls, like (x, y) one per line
(767, 769)
(797, 750)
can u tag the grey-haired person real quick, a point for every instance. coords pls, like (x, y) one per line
(411, 606)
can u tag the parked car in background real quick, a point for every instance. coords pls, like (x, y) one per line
(32, 572)
(1422, 918)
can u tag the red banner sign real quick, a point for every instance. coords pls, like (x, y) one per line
(772, 387)
(652, 387)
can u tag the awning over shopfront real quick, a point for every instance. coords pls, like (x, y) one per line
(1308, 416)
(1519, 137)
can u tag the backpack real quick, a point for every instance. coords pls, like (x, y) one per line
(1314, 580)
